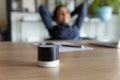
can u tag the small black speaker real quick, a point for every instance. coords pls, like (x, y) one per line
(48, 55)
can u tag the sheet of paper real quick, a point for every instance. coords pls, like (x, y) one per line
(68, 49)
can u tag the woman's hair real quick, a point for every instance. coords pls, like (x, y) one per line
(55, 11)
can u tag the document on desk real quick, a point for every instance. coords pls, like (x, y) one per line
(67, 46)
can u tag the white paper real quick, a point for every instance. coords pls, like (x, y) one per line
(68, 49)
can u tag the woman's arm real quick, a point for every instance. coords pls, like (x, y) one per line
(46, 17)
(81, 10)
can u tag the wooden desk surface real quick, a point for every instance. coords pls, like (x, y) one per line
(18, 61)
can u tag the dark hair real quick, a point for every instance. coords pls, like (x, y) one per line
(55, 11)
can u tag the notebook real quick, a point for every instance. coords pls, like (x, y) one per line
(114, 44)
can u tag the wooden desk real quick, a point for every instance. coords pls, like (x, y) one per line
(18, 61)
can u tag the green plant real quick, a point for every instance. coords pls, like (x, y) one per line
(93, 7)
(115, 4)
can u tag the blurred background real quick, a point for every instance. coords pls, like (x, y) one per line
(20, 20)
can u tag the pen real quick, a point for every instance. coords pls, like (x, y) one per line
(68, 45)
(65, 45)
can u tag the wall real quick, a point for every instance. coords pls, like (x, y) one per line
(2, 10)
(78, 2)
(3, 7)
(39, 2)
(3, 14)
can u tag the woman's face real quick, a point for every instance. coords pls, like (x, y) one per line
(63, 15)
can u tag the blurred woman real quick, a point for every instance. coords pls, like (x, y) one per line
(62, 30)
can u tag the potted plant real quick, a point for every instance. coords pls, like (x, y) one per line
(104, 8)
